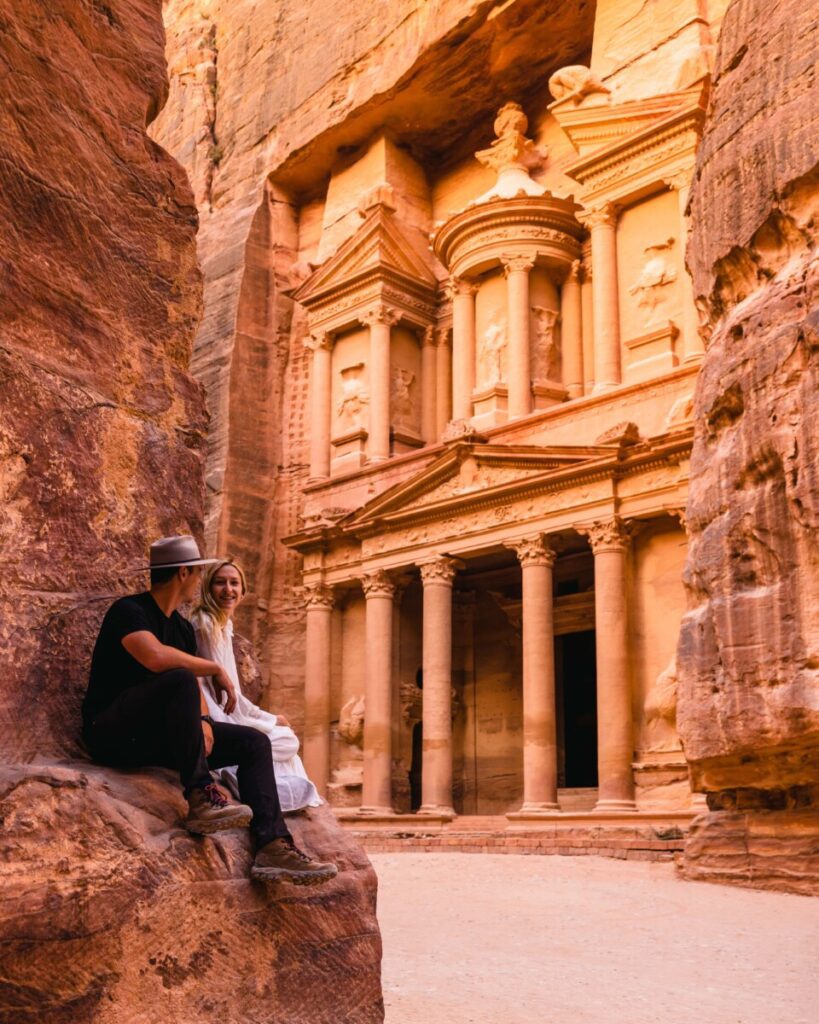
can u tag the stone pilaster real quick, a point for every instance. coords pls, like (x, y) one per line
(537, 559)
(376, 796)
(463, 347)
(602, 223)
(610, 541)
(318, 665)
(429, 386)
(587, 304)
(380, 320)
(437, 577)
(518, 361)
(571, 331)
(693, 348)
(443, 361)
(320, 344)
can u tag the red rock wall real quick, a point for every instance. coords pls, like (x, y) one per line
(749, 647)
(101, 426)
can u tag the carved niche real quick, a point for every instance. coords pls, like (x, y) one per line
(491, 368)
(545, 347)
(354, 398)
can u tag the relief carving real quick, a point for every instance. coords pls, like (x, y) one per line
(351, 721)
(546, 354)
(354, 397)
(403, 410)
(492, 352)
(574, 82)
(657, 272)
(661, 712)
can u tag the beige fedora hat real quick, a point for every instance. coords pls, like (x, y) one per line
(172, 552)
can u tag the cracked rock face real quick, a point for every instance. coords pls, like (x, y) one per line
(101, 426)
(122, 917)
(749, 646)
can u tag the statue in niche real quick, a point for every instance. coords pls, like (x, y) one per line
(492, 352)
(401, 396)
(657, 272)
(660, 731)
(354, 397)
(575, 82)
(351, 721)
(546, 354)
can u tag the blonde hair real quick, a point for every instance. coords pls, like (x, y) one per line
(207, 603)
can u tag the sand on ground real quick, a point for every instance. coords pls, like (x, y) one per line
(513, 939)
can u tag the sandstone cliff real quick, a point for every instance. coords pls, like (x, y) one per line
(110, 911)
(749, 646)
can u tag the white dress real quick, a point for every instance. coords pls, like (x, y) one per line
(295, 789)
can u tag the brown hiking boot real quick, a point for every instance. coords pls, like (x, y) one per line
(282, 861)
(210, 811)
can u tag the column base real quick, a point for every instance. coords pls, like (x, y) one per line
(607, 806)
(435, 811)
(538, 807)
(693, 357)
(380, 812)
(604, 386)
(373, 460)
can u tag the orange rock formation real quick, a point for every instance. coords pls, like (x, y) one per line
(110, 911)
(450, 346)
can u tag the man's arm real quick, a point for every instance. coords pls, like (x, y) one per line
(158, 657)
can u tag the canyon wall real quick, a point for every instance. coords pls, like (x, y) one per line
(101, 426)
(749, 648)
(111, 912)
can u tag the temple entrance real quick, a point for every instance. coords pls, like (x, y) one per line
(576, 684)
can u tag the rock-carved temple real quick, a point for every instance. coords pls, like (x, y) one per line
(450, 346)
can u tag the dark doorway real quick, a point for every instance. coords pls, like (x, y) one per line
(577, 708)
(415, 766)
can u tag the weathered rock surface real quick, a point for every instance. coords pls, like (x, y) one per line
(749, 648)
(101, 427)
(110, 911)
(261, 104)
(113, 913)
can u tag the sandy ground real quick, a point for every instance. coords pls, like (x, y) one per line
(482, 939)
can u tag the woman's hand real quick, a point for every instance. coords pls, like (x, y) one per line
(207, 732)
(224, 684)
(281, 720)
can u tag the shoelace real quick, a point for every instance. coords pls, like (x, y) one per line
(299, 853)
(215, 798)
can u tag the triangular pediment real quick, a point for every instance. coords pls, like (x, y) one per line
(465, 472)
(378, 245)
(597, 123)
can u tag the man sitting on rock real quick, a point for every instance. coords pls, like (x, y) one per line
(143, 707)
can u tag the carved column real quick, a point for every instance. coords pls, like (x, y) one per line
(571, 331)
(319, 602)
(376, 795)
(463, 347)
(321, 345)
(436, 781)
(429, 386)
(380, 321)
(602, 222)
(539, 709)
(587, 303)
(693, 347)
(615, 745)
(443, 354)
(518, 371)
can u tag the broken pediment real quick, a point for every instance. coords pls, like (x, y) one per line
(467, 471)
(379, 248)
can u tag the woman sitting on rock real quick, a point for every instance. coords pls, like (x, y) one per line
(223, 587)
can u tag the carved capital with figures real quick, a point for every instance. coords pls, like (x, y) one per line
(319, 340)
(380, 314)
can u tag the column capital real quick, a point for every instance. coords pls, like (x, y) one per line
(428, 336)
(516, 263)
(319, 340)
(576, 272)
(612, 534)
(442, 336)
(440, 571)
(534, 551)
(459, 286)
(679, 180)
(380, 314)
(603, 215)
(318, 595)
(378, 583)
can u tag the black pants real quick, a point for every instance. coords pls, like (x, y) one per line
(158, 723)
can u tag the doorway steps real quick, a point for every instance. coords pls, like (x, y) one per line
(642, 835)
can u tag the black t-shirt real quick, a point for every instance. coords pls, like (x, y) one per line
(112, 667)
